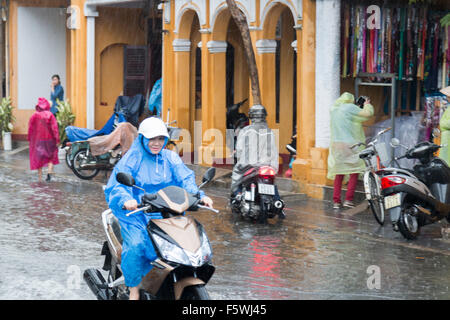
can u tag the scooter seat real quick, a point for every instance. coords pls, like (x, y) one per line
(112, 227)
(367, 153)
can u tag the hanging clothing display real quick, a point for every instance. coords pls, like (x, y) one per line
(410, 42)
(434, 107)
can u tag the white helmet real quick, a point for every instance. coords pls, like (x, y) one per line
(153, 127)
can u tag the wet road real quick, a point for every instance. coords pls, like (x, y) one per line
(51, 232)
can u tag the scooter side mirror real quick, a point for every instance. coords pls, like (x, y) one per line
(395, 143)
(125, 179)
(209, 175)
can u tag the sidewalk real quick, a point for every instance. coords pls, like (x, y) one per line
(18, 158)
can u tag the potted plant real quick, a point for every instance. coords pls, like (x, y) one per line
(65, 118)
(6, 122)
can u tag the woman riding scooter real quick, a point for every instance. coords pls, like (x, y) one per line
(153, 168)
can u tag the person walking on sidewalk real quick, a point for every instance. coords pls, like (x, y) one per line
(43, 135)
(346, 129)
(57, 93)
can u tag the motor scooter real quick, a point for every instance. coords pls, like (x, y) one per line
(258, 198)
(183, 266)
(417, 197)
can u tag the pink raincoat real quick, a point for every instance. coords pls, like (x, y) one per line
(43, 135)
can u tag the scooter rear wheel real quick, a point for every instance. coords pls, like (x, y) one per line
(408, 224)
(197, 292)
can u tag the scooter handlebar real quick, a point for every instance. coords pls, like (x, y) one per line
(207, 208)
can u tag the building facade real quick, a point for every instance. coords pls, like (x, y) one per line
(286, 42)
(103, 45)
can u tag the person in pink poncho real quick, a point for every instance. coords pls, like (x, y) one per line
(43, 136)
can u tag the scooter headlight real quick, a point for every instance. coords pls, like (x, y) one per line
(203, 254)
(171, 252)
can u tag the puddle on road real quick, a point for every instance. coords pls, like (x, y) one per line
(51, 232)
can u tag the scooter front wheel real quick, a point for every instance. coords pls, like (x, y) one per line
(79, 157)
(197, 292)
(408, 224)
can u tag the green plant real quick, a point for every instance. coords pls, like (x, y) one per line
(6, 115)
(64, 117)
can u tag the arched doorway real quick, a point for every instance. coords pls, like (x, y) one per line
(187, 68)
(237, 69)
(111, 82)
(229, 75)
(279, 27)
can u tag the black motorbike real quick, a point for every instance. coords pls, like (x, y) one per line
(183, 266)
(236, 121)
(417, 197)
(258, 198)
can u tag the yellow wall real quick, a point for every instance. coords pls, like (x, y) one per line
(114, 28)
(214, 74)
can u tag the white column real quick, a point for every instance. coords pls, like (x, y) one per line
(181, 45)
(327, 65)
(266, 46)
(90, 14)
(216, 46)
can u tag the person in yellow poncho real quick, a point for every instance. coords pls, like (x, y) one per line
(346, 129)
(444, 124)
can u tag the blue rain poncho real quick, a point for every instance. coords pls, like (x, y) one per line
(346, 130)
(151, 172)
(154, 102)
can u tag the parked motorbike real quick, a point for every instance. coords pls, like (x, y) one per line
(183, 266)
(85, 165)
(291, 148)
(415, 198)
(236, 121)
(174, 134)
(259, 198)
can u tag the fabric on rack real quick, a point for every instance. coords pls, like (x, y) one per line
(123, 136)
(409, 42)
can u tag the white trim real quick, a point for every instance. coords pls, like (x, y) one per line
(268, 7)
(327, 68)
(217, 46)
(107, 2)
(266, 46)
(223, 6)
(166, 12)
(189, 6)
(294, 45)
(181, 45)
(90, 71)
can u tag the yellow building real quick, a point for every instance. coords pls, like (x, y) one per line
(283, 36)
(112, 47)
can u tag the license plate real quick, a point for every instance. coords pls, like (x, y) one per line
(268, 189)
(392, 201)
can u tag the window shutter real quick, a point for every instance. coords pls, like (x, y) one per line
(134, 73)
